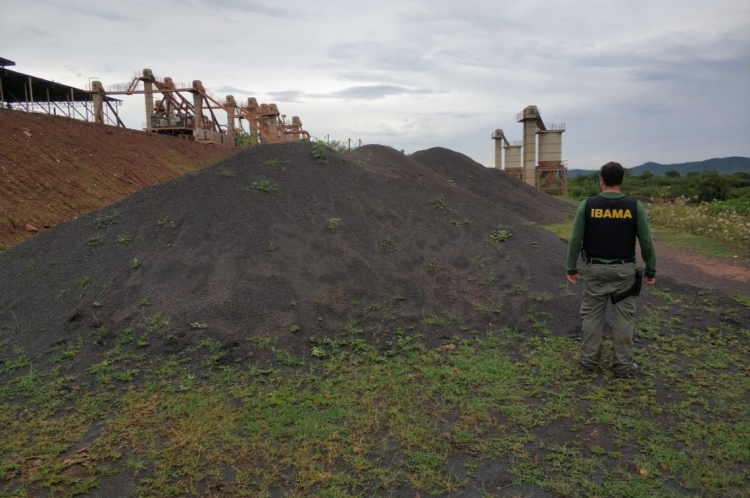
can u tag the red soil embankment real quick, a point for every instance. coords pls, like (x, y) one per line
(54, 169)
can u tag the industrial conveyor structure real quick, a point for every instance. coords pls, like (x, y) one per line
(550, 172)
(188, 110)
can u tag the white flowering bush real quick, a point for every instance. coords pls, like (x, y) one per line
(726, 223)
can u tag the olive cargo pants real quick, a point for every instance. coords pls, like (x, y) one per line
(600, 281)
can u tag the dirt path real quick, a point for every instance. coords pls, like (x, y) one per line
(691, 267)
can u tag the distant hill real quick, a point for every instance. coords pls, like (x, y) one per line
(722, 165)
(572, 173)
(726, 165)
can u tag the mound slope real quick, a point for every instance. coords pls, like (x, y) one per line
(214, 247)
(493, 185)
(55, 169)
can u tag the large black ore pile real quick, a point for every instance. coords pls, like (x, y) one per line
(271, 242)
(493, 185)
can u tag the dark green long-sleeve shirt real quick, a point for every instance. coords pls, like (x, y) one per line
(643, 233)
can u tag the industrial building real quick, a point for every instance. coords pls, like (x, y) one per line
(537, 159)
(24, 92)
(188, 109)
(180, 109)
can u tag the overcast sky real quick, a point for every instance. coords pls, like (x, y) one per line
(634, 81)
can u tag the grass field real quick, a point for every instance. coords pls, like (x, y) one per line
(487, 415)
(672, 238)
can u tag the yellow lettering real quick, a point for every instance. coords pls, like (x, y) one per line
(596, 213)
(607, 213)
(628, 214)
(617, 213)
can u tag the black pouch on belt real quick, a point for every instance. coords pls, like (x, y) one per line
(634, 291)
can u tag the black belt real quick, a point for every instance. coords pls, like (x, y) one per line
(595, 261)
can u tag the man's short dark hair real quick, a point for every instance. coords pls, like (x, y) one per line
(612, 173)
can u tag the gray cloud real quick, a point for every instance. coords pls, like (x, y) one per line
(249, 6)
(287, 96)
(97, 12)
(378, 56)
(232, 90)
(373, 92)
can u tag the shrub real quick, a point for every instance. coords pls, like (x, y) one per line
(712, 187)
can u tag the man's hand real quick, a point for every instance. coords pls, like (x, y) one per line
(574, 278)
(649, 281)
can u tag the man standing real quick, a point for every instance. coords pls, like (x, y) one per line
(606, 226)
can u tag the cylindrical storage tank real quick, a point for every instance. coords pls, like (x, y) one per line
(529, 150)
(513, 157)
(550, 145)
(498, 137)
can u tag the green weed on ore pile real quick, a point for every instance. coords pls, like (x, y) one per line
(364, 421)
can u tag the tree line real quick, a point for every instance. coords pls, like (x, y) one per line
(695, 186)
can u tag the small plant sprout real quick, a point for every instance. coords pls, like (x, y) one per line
(452, 183)
(107, 220)
(198, 325)
(317, 352)
(430, 266)
(542, 298)
(501, 234)
(96, 304)
(440, 203)
(124, 240)
(293, 303)
(319, 152)
(95, 241)
(163, 220)
(16, 327)
(351, 327)
(333, 223)
(271, 246)
(224, 171)
(135, 263)
(294, 329)
(387, 244)
(262, 186)
(144, 302)
(271, 162)
(85, 282)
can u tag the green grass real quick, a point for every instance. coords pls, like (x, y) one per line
(672, 238)
(261, 186)
(440, 204)
(699, 243)
(333, 223)
(351, 419)
(106, 221)
(387, 244)
(319, 152)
